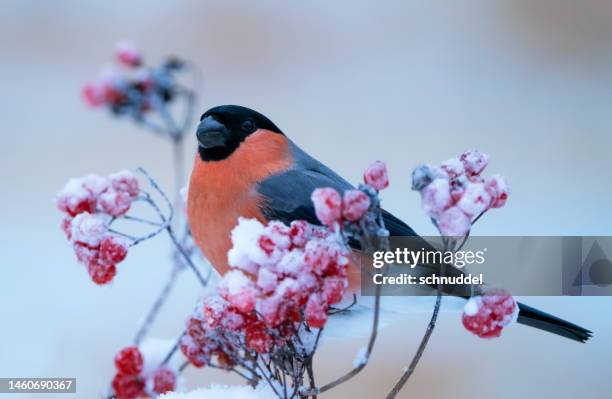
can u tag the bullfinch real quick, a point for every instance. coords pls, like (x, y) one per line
(246, 166)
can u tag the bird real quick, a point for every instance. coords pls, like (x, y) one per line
(245, 166)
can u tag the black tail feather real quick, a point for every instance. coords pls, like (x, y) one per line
(544, 321)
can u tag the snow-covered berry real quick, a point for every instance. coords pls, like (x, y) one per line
(436, 197)
(164, 380)
(422, 175)
(236, 288)
(328, 205)
(257, 337)
(128, 386)
(333, 289)
(96, 185)
(376, 175)
(75, 199)
(487, 315)
(474, 161)
(125, 181)
(300, 231)
(355, 204)
(93, 94)
(113, 249)
(498, 190)
(453, 167)
(115, 203)
(85, 254)
(88, 229)
(453, 222)
(474, 200)
(316, 311)
(129, 361)
(101, 273)
(127, 54)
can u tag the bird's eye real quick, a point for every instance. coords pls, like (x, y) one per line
(248, 125)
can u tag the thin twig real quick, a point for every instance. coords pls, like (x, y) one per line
(186, 256)
(360, 366)
(157, 305)
(425, 340)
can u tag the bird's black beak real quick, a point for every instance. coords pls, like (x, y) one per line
(211, 133)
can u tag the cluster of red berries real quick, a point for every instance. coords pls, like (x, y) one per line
(455, 194)
(132, 382)
(89, 203)
(282, 276)
(132, 88)
(331, 208)
(487, 315)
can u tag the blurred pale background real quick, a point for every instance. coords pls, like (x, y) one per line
(529, 82)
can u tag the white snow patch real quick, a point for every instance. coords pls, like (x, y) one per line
(472, 306)
(224, 392)
(361, 357)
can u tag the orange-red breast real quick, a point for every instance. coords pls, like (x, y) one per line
(246, 166)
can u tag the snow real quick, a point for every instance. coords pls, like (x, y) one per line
(225, 392)
(436, 197)
(475, 199)
(246, 251)
(88, 229)
(154, 351)
(95, 184)
(453, 222)
(453, 167)
(474, 161)
(472, 305)
(361, 357)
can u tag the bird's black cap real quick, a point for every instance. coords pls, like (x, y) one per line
(223, 128)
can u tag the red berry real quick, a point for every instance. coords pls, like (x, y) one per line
(101, 273)
(236, 288)
(316, 311)
(127, 54)
(474, 161)
(193, 351)
(88, 229)
(376, 175)
(125, 181)
(328, 205)
(116, 203)
(355, 204)
(333, 289)
(129, 361)
(113, 250)
(224, 360)
(300, 231)
(93, 94)
(257, 337)
(487, 315)
(128, 386)
(85, 254)
(164, 381)
(75, 199)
